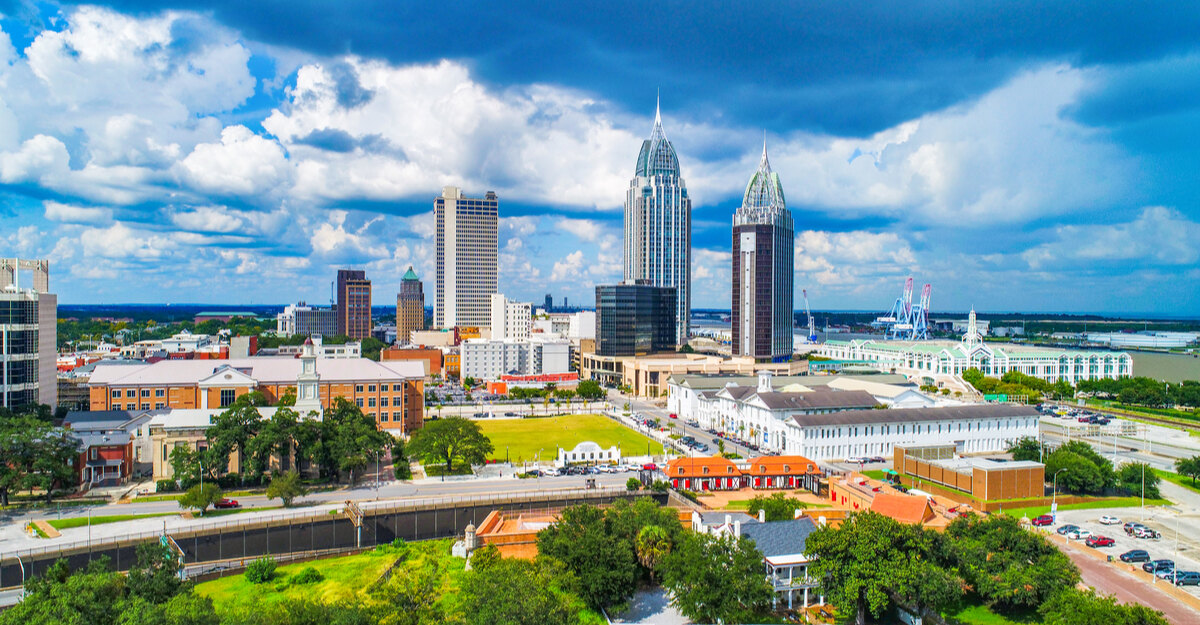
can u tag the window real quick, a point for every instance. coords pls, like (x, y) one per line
(159, 406)
(145, 392)
(371, 402)
(371, 388)
(130, 393)
(116, 394)
(160, 392)
(227, 397)
(145, 406)
(93, 453)
(383, 401)
(383, 417)
(359, 401)
(397, 387)
(358, 388)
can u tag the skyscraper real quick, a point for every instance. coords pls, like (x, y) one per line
(509, 320)
(763, 268)
(29, 324)
(466, 258)
(353, 303)
(634, 319)
(410, 306)
(658, 224)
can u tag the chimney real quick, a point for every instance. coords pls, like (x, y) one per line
(821, 521)
(728, 519)
(764, 381)
(737, 529)
(762, 515)
(798, 513)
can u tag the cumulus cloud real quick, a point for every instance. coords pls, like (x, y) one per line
(569, 268)
(1158, 236)
(243, 163)
(68, 213)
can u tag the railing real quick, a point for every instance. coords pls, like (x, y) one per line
(372, 508)
(798, 582)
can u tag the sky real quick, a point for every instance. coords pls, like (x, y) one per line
(1019, 156)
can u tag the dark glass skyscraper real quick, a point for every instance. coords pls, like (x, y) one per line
(354, 303)
(763, 269)
(658, 225)
(634, 319)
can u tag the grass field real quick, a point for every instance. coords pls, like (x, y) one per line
(981, 615)
(1181, 480)
(62, 524)
(1114, 502)
(346, 578)
(521, 439)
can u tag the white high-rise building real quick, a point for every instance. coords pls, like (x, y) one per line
(510, 320)
(658, 225)
(466, 257)
(29, 324)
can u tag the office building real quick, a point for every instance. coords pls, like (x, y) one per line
(658, 225)
(353, 304)
(466, 257)
(763, 266)
(487, 360)
(509, 320)
(549, 303)
(306, 320)
(410, 306)
(635, 319)
(28, 335)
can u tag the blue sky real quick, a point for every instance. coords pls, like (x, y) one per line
(1017, 155)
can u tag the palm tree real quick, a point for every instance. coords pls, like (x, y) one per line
(653, 544)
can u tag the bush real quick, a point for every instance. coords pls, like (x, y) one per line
(261, 570)
(308, 576)
(229, 480)
(660, 486)
(633, 484)
(166, 486)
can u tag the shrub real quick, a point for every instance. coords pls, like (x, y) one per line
(166, 486)
(633, 484)
(261, 570)
(660, 486)
(229, 480)
(308, 576)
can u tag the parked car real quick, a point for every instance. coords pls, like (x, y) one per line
(673, 416)
(1136, 555)
(649, 466)
(1131, 526)
(1154, 566)
(227, 503)
(1187, 578)
(878, 459)
(1145, 532)
(1079, 533)
(1109, 520)
(1168, 574)
(1099, 541)
(855, 460)
(1043, 520)
(1064, 529)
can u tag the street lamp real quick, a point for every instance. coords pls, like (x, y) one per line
(1054, 496)
(22, 565)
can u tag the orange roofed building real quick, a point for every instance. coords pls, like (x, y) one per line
(704, 473)
(783, 472)
(908, 509)
(718, 473)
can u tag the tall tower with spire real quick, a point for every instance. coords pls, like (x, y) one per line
(763, 269)
(658, 224)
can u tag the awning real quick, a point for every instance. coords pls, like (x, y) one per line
(891, 472)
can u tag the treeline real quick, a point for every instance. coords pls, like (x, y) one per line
(1082, 470)
(1141, 391)
(872, 564)
(342, 444)
(1015, 383)
(34, 454)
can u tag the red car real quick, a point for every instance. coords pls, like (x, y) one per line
(673, 416)
(1099, 541)
(1043, 520)
(649, 466)
(227, 503)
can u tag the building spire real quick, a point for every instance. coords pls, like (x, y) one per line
(657, 107)
(764, 164)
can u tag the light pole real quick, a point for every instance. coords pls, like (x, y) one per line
(22, 565)
(1054, 495)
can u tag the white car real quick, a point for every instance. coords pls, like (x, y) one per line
(1078, 534)
(1109, 520)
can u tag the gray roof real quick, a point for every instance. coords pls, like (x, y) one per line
(101, 439)
(716, 382)
(103, 420)
(912, 415)
(780, 538)
(718, 517)
(819, 399)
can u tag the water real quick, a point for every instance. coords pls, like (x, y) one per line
(1167, 367)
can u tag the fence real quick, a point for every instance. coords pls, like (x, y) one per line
(306, 531)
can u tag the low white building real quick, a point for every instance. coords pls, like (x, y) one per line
(351, 349)
(488, 359)
(186, 342)
(948, 358)
(588, 452)
(976, 428)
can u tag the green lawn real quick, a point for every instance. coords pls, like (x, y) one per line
(744, 504)
(521, 439)
(62, 524)
(346, 578)
(875, 474)
(1181, 480)
(981, 615)
(1113, 502)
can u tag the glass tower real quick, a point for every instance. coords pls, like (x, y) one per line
(763, 269)
(658, 225)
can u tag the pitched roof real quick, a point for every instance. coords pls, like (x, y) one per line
(780, 538)
(716, 466)
(700, 381)
(782, 465)
(718, 517)
(903, 508)
(822, 399)
(84, 420)
(914, 415)
(283, 370)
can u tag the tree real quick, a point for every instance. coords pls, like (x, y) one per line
(1011, 569)
(36, 455)
(155, 576)
(633, 484)
(232, 430)
(350, 440)
(449, 440)
(87, 597)
(286, 487)
(200, 497)
(589, 389)
(1026, 448)
(605, 564)
(1189, 467)
(1138, 477)
(652, 545)
(401, 467)
(517, 592)
(626, 520)
(717, 579)
(1084, 607)
(779, 507)
(184, 609)
(1079, 475)
(275, 437)
(413, 598)
(57, 452)
(185, 464)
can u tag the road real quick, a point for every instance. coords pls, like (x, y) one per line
(649, 409)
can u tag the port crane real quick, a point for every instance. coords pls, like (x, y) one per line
(812, 330)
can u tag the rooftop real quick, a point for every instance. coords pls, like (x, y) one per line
(916, 415)
(264, 370)
(780, 538)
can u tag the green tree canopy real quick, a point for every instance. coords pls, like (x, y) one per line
(717, 579)
(1189, 467)
(1133, 477)
(286, 487)
(517, 592)
(778, 506)
(605, 564)
(450, 440)
(1078, 607)
(1011, 569)
(200, 497)
(589, 389)
(1026, 448)
(350, 440)
(155, 576)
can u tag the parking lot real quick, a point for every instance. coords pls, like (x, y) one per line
(1185, 552)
